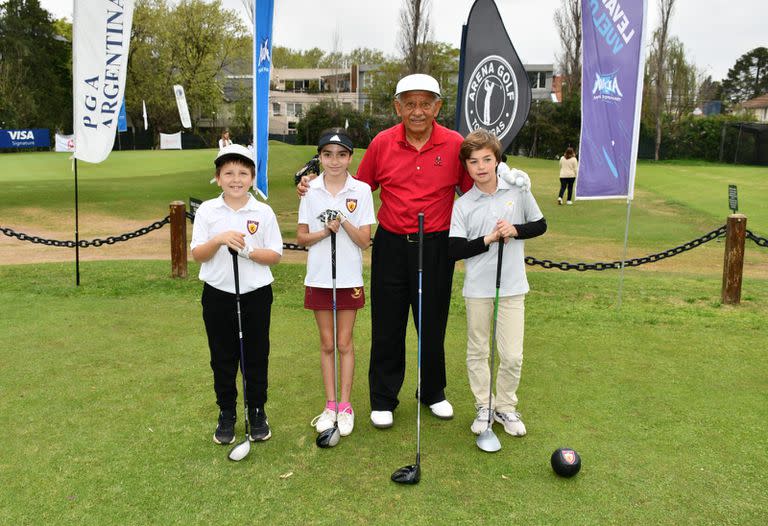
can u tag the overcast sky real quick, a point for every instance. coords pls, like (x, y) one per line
(715, 33)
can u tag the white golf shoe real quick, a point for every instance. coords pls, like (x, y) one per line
(346, 423)
(480, 423)
(382, 419)
(324, 420)
(511, 422)
(442, 410)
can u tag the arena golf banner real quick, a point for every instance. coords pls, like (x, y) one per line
(611, 97)
(30, 138)
(262, 64)
(494, 92)
(101, 35)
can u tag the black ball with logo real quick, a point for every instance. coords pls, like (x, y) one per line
(565, 462)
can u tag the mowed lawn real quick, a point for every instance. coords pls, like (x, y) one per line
(107, 405)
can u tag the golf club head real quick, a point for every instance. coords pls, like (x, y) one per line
(240, 451)
(407, 474)
(488, 441)
(329, 437)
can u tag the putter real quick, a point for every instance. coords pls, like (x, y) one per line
(487, 440)
(330, 437)
(240, 451)
(412, 474)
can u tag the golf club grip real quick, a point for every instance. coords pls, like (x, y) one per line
(236, 272)
(498, 263)
(333, 255)
(421, 241)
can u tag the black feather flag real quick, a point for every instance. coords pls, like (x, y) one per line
(494, 92)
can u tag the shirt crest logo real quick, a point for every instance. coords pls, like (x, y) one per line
(351, 205)
(253, 226)
(438, 161)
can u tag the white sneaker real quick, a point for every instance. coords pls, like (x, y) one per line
(346, 423)
(324, 420)
(480, 423)
(559, 200)
(443, 410)
(382, 419)
(569, 202)
(511, 422)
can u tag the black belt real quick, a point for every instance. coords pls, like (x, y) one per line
(414, 237)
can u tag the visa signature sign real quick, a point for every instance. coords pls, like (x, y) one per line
(31, 138)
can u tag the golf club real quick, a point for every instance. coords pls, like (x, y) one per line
(412, 474)
(330, 437)
(240, 451)
(487, 440)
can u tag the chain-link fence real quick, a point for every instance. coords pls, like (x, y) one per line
(530, 260)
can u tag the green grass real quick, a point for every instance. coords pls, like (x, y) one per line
(107, 406)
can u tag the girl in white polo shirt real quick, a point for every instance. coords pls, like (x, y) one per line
(236, 220)
(351, 202)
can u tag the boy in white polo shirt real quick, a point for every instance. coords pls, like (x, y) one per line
(350, 202)
(238, 221)
(493, 211)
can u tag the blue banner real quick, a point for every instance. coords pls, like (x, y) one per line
(262, 63)
(611, 97)
(30, 138)
(122, 120)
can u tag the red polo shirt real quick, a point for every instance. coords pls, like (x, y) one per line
(414, 181)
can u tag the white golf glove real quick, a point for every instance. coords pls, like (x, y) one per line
(245, 252)
(514, 177)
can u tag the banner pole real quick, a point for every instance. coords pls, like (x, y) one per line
(624, 257)
(77, 234)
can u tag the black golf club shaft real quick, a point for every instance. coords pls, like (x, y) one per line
(240, 336)
(418, 355)
(495, 321)
(335, 338)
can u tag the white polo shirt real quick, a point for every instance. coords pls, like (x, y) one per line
(475, 215)
(259, 224)
(356, 203)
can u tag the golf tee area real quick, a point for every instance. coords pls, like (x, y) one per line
(107, 408)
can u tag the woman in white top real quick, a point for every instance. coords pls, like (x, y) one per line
(225, 140)
(569, 168)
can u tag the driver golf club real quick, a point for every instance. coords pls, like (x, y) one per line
(411, 474)
(240, 451)
(330, 437)
(487, 440)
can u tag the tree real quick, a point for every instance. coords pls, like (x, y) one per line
(568, 24)
(35, 74)
(415, 32)
(191, 44)
(748, 78)
(659, 43)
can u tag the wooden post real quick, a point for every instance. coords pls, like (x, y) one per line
(178, 239)
(733, 265)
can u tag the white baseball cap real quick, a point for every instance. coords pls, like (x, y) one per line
(417, 82)
(232, 152)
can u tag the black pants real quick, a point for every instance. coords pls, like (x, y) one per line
(567, 182)
(220, 317)
(394, 289)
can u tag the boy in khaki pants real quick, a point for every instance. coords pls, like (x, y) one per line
(493, 211)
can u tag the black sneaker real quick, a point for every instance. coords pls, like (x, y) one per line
(257, 419)
(225, 431)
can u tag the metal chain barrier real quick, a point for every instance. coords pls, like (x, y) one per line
(760, 241)
(636, 262)
(111, 240)
(545, 263)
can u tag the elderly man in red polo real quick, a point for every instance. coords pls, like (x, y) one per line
(415, 164)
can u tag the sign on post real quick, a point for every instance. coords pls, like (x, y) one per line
(194, 204)
(27, 138)
(733, 198)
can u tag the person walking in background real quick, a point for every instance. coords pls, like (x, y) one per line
(225, 140)
(569, 169)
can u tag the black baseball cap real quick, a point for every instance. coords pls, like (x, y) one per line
(339, 137)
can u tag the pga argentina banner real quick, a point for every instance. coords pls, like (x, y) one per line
(611, 97)
(262, 64)
(101, 34)
(494, 92)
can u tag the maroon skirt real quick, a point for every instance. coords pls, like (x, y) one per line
(316, 298)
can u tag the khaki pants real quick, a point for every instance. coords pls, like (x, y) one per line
(509, 338)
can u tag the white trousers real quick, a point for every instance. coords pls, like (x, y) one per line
(509, 339)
